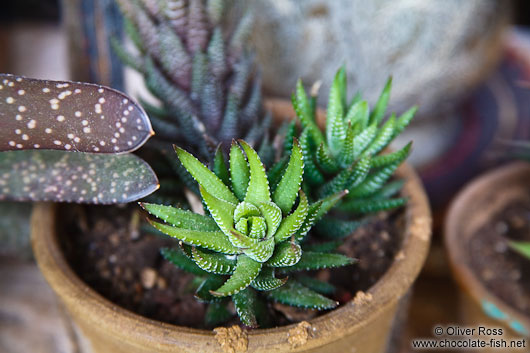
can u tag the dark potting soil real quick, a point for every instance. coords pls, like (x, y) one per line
(502, 270)
(110, 250)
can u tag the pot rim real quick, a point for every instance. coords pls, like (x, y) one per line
(328, 327)
(456, 253)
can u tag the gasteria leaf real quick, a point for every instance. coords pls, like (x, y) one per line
(69, 116)
(74, 177)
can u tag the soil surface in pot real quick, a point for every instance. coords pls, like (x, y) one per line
(500, 269)
(111, 250)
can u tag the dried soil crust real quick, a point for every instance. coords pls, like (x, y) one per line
(107, 250)
(499, 268)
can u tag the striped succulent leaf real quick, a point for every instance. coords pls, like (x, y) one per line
(250, 234)
(200, 71)
(43, 124)
(348, 154)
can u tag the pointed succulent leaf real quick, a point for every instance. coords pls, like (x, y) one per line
(176, 12)
(229, 126)
(245, 272)
(260, 250)
(346, 157)
(242, 74)
(335, 128)
(213, 262)
(173, 56)
(197, 27)
(179, 259)
(216, 314)
(204, 294)
(305, 114)
(290, 134)
(160, 86)
(287, 190)
(358, 113)
(272, 215)
(404, 120)
(295, 294)
(334, 228)
(316, 261)
(384, 136)
(338, 183)
(242, 32)
(128, 58)
(215, 10)
(328, 203)
(380, 107)
(360, 172)
(245, 209)
(245, 303)
(370, 206)
(292, 223)
(147, 30)
(216, 53)
(363, 140)
(70, 116)
(216, 241)
(285, 254)
(199, 72)
(205, 178)
(258, 186)
(389, 189)
(74, 177)
(312, 175)
(219, 166)
(326, 161)
(266, 280)
(309, 221)
(374, 181)
(275, 173)
(221, 211)
(239, 171)
(181, 218)
(390, 158)
(317, 285)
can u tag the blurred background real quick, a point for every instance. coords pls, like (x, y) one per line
(465, 63)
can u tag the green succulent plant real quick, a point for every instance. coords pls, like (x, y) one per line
(251, 237)
(347, 155)
(201, 72)
(44, 126)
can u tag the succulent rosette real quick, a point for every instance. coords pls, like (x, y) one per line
(252, 232)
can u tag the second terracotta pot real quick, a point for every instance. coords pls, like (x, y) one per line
(471, 209)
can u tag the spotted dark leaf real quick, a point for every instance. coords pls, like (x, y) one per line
(70, 116)
(74, 177)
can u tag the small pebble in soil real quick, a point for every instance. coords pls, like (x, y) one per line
(500, 246)
(148, 277)
(501, 227)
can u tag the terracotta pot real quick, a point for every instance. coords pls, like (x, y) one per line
(362, 325)
(473, 207)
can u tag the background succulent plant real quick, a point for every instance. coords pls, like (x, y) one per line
(521, 247)
(252, 233)
(200, 71)
(348, 154)
(45, 122)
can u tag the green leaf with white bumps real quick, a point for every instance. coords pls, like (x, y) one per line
(181, 218)
(267, 281)
(295, 294)
(239, 171)
(207, 179)
(213, 262)
(286, 254)
(316, 261)
(245, 272)
(285, 194)
(216, 241)
(380, 107)
(258, 186)
(290, 224)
